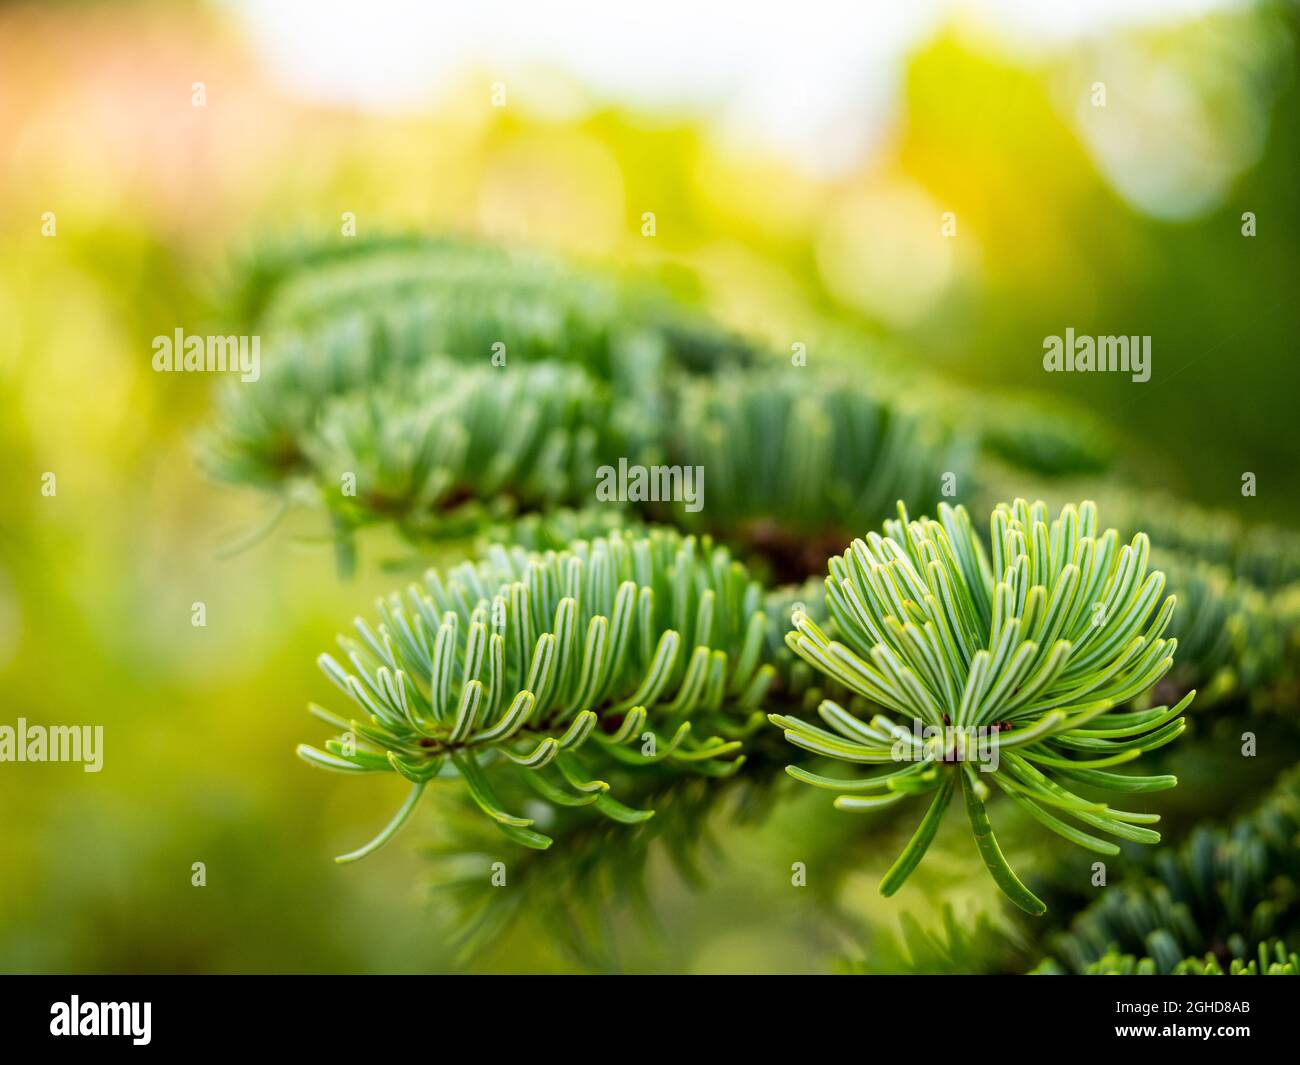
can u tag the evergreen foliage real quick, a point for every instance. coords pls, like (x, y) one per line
(1224, 890)
(517, 663)
(601, 673)
(1271, 959)
(1036, 647)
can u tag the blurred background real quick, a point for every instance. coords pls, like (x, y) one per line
(1097, 160)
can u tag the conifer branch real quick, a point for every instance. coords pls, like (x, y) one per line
(531, 679)
(1271, 958)
(634, 650)
(1033, 653)
(1225, 890)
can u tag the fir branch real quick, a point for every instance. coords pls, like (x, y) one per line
(1271, 958)
(557, 527)
(797, 458)
(1238, 620)
(1267, 556)
(1225, 890)
(460, 440)
(792, 458)
(569, 894)
(483, 430)
(1233, 642)
(632, 648)
(393, 301)
(1039, 646)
